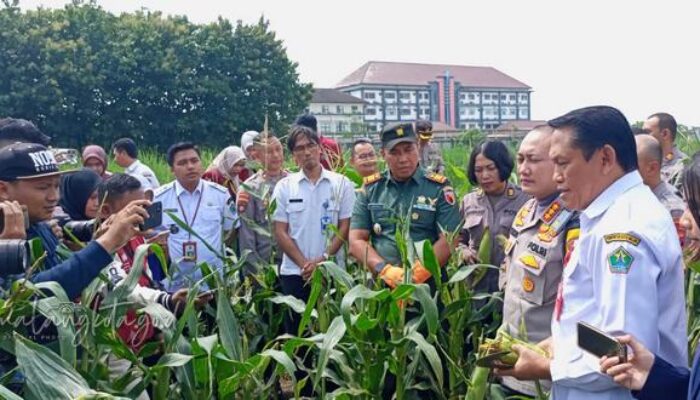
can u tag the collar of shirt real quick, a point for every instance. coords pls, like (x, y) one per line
(179, 189)
(324, 175)
(608, 196)
(415, 178)
(132, 168)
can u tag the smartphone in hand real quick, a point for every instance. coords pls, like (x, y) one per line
(599, 343)
(155, 216)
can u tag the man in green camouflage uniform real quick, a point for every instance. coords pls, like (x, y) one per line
(407, 192)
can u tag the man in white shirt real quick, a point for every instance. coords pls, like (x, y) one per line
(625, 273)
(309, 203)
(204, 206)
(126, 156)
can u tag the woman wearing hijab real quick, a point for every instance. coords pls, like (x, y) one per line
(95, 158)
(79, 195)
(225, 168)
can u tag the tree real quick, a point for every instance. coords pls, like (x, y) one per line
(85, 75)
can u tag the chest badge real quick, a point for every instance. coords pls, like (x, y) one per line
(528, 284)
(529, 260)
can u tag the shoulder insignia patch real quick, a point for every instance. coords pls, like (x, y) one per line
(449, 194)
(162, 189)
(620, 261)
(368, 180)
(551, 212)
(479, 192)
(622, 237)
(435, 177)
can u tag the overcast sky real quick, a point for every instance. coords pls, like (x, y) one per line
(639, 57)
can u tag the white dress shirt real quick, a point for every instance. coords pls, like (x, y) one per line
(210, 212)
(625, 275)
(310, 209)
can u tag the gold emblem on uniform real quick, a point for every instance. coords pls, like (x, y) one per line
(528, 284)
(414, 216)
(520, 217)
(377, 228)
(421, 200)
(399, 132)
(529, 260)
(510, 192)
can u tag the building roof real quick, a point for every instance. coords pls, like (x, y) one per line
(334, 96)
(519, 125)
(399, 73)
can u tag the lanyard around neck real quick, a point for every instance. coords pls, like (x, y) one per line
(196, 210)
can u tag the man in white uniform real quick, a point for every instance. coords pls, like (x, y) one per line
(204, 206)
(309, 202)
(625, 273)
(126, 156)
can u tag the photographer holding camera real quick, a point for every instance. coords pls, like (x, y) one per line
(30, 176)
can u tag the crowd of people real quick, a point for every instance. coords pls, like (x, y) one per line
(592, 232)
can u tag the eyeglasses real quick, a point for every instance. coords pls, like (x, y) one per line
(302, 148)
(366, 156)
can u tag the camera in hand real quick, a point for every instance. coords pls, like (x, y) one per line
(14, 257)
(82, 230)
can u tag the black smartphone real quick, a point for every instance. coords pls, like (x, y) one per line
(599, 343)
(155, 216)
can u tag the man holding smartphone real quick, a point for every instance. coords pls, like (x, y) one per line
(625, 273)
(29, 176)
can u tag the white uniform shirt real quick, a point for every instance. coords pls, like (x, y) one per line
(624, 275)
(216, 215)
(309, 210)
(144, 174)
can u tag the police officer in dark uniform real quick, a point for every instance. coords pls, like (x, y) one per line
(404, 192)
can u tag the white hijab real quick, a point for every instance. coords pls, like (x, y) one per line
(225, 160)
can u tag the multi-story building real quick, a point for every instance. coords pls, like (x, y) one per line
(463, 97)
(337, 112)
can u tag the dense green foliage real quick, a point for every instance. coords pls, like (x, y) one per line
(85, 75)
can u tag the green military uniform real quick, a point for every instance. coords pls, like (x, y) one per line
(426, 199)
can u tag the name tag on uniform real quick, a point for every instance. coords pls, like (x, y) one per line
(189, 251)
(296, 200)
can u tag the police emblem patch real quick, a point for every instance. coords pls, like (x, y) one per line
(528, 284)
(620, 261)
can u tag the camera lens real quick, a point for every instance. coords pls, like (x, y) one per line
(14, 257)
(82, 230)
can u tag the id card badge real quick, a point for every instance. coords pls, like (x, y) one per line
(189, 251)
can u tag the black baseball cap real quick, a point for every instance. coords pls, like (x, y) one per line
(396, 133)
(27, 161)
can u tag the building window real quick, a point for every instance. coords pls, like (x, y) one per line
(405, 111)
(341, 127)
(389, 95)
(405, 95)
(354, 109)
(325, 127)
(472, 97)
(503, 97)
(370, 95)
(424, 96)
(424, 111)
(523, 98)
(511, 97)
(391, 111)
(523, 114)
(339, 109)
(324, 109)
(370, 111)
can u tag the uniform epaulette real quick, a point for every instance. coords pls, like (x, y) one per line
(368, 180)
(162, 189)
(435, 177)
(216, 186)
